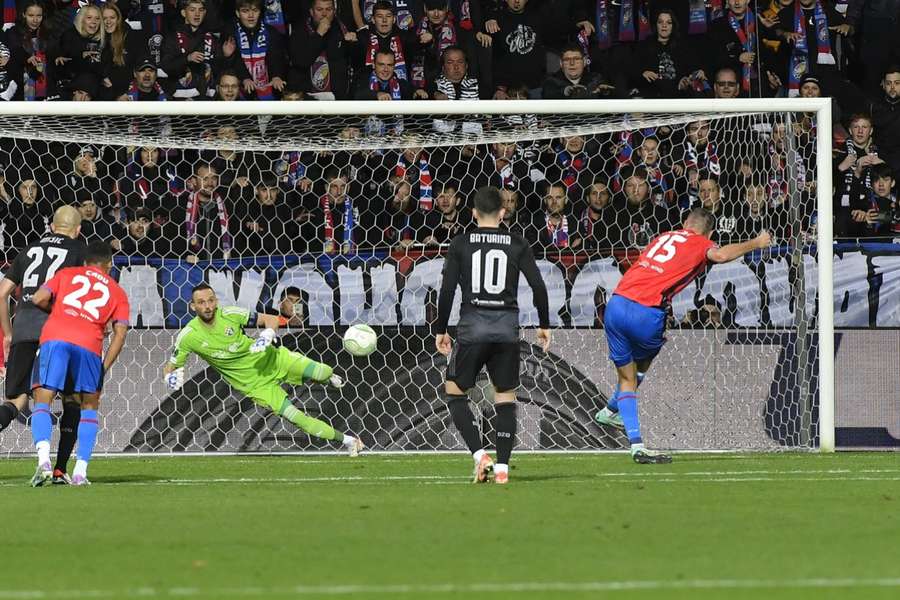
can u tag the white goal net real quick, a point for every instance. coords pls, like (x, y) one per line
(333, 219)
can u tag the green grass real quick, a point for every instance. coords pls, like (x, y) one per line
(567, 526)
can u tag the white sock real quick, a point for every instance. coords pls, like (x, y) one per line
(636, 447)
(500, 468)
(43, 452)
(477, 455)
(349, 440)
(80, 468)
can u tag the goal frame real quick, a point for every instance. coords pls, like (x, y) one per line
(820, 106)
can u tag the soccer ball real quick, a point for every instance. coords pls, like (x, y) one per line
(360, 340)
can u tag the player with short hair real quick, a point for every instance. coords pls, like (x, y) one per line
(84, 300)
(635, 316)
(33, 266)
(255, 368)
(485, 263)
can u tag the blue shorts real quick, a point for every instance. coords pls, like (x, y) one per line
(634, 332)
(62, 366)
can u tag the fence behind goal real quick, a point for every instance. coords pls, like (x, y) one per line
(335, 219)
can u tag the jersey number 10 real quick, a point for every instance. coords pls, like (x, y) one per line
(494, 271)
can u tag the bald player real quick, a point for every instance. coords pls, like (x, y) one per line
(35, 265)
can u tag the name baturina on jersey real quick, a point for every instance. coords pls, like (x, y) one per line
(490, 238)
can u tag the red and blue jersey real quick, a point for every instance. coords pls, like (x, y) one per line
(668, 264)
(85, 300)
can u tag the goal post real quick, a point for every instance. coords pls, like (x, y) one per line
(743, 380)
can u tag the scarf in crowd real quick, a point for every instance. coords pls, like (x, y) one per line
(559, 234)
(319, 71)
(193, 212)
(9, 14)
(325, 204)
(587, 223)
(426, 199)
(778, 180)
(698, 23)
(253, 53)
(402, 13)
(187, 87)
(505, 173)
(626, 21)
(800, 54)
(601, 24)
(292, 167)
(571, 165)
(873, 205)
(35, 87)
(849, 174)
(396, 47)
(466, 90)
(274, 16)
(708, 159)
(391, 86)
(746, 33)
(135, 93)
(444, 36)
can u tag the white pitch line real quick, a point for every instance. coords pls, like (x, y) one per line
(456, 588)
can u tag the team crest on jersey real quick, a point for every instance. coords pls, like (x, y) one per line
(229, 331)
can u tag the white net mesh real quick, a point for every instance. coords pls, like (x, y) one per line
(333, 220)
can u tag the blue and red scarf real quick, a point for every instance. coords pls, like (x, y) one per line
(558, 234)
(601, 24)
(135, 93)
(193, 211)
(347, 238)
(444, 36)
(426, 198)
(391, 86)
(9, 14)
(698, 22)
(800, 53)
(396, 47)
(746, 33)
(571, 165)
(253, 53)
(626, 21)
(274, 16)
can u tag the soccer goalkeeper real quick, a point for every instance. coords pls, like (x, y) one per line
(254, 367)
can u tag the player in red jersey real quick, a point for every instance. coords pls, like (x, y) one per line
(84, 299)
(635, 316)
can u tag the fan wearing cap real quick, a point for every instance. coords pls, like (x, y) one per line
(26, 214)
(87, 178)
(96, 226)
(144, 87)
(85, 87)
(138, 239)
(438, 31)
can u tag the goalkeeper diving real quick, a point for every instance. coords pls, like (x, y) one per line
(255, 368)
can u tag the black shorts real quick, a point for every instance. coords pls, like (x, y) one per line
(502, 360)
(19, 365)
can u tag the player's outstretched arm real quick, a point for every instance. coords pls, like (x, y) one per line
(733, 251)
(120, 331)
(267, 335)
(43, 298)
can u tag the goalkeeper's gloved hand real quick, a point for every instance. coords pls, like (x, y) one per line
(175, 379)
(263, 341)
(336, 381)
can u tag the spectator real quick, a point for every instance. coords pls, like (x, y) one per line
(124, 48)
(320, 50)
(29, 39)
(207, 222)
(85, 87)
(383, 82)
(512, 216)
(853, 171)
(80, 49)
(733, 42)
(87, 178)
(871, 216)
(563, 21)
(665, 66)
(518, 43)
(597, 220)
(192, 53)
(137, 240)
(146, 185)
(758, 216)
(726, 84)
(454, 82)
(408, 12)
(573, 81)
(573, 162)
(228, 88)
(95, 226)
(25, 214)
(728, 215)
(383, 35)
(698, 154)
(340, 218)
(659, 172)
(449, 218)
(290, 309)
(553, 228)
(401, 224)
(810, 28)
(256, 52)
(145, 87)
(437, 32)
(638, 220)
(265, 222)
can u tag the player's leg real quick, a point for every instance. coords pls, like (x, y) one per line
(88, 426)
(41, 429)
(295, 368)
(19, 368)
(68, 434)
(503, 368)
(463, 366)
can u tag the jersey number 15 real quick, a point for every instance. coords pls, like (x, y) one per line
(665, 247)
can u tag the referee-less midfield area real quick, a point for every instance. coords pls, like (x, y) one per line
(567, 526)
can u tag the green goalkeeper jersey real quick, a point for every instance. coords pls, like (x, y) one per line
(226, 347)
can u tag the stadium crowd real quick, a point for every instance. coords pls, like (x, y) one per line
(570, 194)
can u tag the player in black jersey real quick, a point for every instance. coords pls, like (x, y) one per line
(35, 265)
(485, 263)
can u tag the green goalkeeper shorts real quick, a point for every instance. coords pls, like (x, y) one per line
(290, 367)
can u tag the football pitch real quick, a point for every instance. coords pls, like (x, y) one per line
(569, 526)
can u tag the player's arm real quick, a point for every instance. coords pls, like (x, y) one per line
(733, 251)
(529, 269)
(268, 321)
(120, 331)
(173, 370)
(43, 298)
(7, 287)
(445, 300)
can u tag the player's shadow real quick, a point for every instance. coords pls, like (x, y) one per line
(131, 478)
(544, 477)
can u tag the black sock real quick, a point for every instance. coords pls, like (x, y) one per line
(8, 413)
(506, 431)
(68, 433)
(464, 421)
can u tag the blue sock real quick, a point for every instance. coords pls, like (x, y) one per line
(613, 403)
(629, 411)
(41, 423)
(87, 434)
